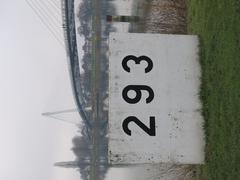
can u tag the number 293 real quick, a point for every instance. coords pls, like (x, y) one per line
(151, 130)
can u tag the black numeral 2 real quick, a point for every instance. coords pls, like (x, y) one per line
(151, 131)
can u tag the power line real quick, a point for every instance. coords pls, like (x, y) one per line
(46, 25)
(52, 11)
(51, 23)
(50, 27)
(44, 11)
(54, 5)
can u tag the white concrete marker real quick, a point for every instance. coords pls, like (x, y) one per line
(154, 107)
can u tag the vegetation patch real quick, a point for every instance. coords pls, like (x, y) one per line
(218, 25)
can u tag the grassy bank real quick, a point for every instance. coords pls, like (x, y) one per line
(218, 25)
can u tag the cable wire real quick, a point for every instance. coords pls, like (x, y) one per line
(44, 23)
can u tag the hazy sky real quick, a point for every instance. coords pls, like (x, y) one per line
(33, 79)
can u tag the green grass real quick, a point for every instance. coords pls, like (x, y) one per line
(217, 22)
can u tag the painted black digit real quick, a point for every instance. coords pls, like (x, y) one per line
(137, 60)
(137, 89)
(151, 131)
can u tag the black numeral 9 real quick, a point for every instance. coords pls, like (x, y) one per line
(137, 89)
